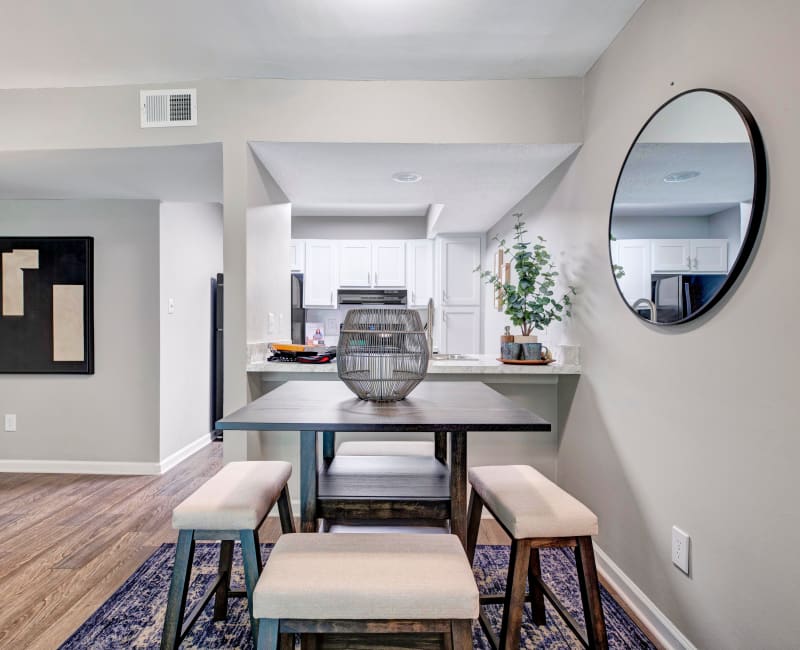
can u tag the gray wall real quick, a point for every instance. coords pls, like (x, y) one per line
(359, 227)
(675, 427)
(113, 414)
(190, 252)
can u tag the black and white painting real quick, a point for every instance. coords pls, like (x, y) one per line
(46, 310)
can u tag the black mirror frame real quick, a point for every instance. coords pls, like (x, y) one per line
(756, 215)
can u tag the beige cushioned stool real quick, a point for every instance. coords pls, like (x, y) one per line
(530, 505)
(237, 497)
(230, 506)
(386, 448)
(536, 514)
(364, 577)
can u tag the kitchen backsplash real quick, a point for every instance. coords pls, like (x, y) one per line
(328, 321)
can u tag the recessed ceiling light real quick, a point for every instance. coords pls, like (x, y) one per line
(406, 177)
(681, 177)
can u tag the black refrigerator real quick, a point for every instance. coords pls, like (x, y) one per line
(298, 312)
(217, 352)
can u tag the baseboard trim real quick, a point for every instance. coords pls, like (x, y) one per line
(104, 467)
(78, 467)
(183, 453)
(652, 618)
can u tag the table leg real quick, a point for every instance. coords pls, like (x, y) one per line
(458, 485)
(308, 481)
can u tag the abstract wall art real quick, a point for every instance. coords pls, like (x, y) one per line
(46, 305)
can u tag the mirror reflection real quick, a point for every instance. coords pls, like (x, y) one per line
(683, 207)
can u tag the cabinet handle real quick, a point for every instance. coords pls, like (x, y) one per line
(444, 296)
(369, 275)
(376, 278)
(332, 298)
(413, 297)
(689, 262)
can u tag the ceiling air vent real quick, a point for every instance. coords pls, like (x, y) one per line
(168, 107)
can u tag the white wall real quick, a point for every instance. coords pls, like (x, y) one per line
(631, 226)
(268, 270)
(190, 254)
(359, 227)
(674, 426)
(111, 415)
(727, 225)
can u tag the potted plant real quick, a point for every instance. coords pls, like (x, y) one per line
(531, 303)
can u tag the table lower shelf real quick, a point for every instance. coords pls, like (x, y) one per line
(383, 487)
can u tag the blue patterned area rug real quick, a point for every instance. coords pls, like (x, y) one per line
(133, 616)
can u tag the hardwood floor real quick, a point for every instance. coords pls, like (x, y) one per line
(68, 541)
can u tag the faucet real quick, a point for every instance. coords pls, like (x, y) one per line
(429, 327)
(650, 305)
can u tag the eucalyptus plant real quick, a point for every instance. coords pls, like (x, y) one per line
(531, 303)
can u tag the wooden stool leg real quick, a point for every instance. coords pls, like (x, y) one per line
(473, 523)
(308, 642)
(590, 594)
(225, 568)
(286, 642)
(440, 446)
(285, 511)
(251, 557)
(462, 634)
(514, 601)
(537, 594)
(267, 634)
(178, 588)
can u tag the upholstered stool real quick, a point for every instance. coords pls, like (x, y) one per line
(386, 448)
(535, 513)
(365, 584)
(231, 505)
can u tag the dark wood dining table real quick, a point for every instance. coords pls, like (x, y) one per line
(381, 488)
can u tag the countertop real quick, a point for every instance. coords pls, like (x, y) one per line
(483, 364)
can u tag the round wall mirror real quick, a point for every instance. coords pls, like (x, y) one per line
(687, 207)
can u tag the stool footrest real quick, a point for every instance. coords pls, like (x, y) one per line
(198, 609)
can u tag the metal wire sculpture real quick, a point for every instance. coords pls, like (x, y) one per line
(382, 353)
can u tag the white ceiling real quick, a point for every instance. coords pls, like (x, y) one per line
(179, 173)
(477, 183)
(106, 42)
(726, 179)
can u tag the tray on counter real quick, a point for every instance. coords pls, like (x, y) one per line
(526, 362)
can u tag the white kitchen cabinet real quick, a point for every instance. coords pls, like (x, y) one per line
(320, 282)
(689, 255)
(670, 255)
(709, 255)
(633, 255)
(459, 283)
(355, 264)
(419, 271)
(388, 264)
(460, 330)
(297, 255)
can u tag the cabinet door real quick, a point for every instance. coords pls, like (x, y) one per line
(460, 284)
(709, 255)
(671, 255)
(355, 259)
(461, 330)
(320, 274)
(419, 268)
(389, 264)
(633, 255)
(297, 255)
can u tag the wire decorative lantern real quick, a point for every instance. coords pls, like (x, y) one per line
(382, 353)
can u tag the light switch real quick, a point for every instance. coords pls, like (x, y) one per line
(11, 422)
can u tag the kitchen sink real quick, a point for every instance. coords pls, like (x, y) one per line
(453, 357)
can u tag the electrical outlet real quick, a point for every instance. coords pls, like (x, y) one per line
(680, 549)
(11, 422)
